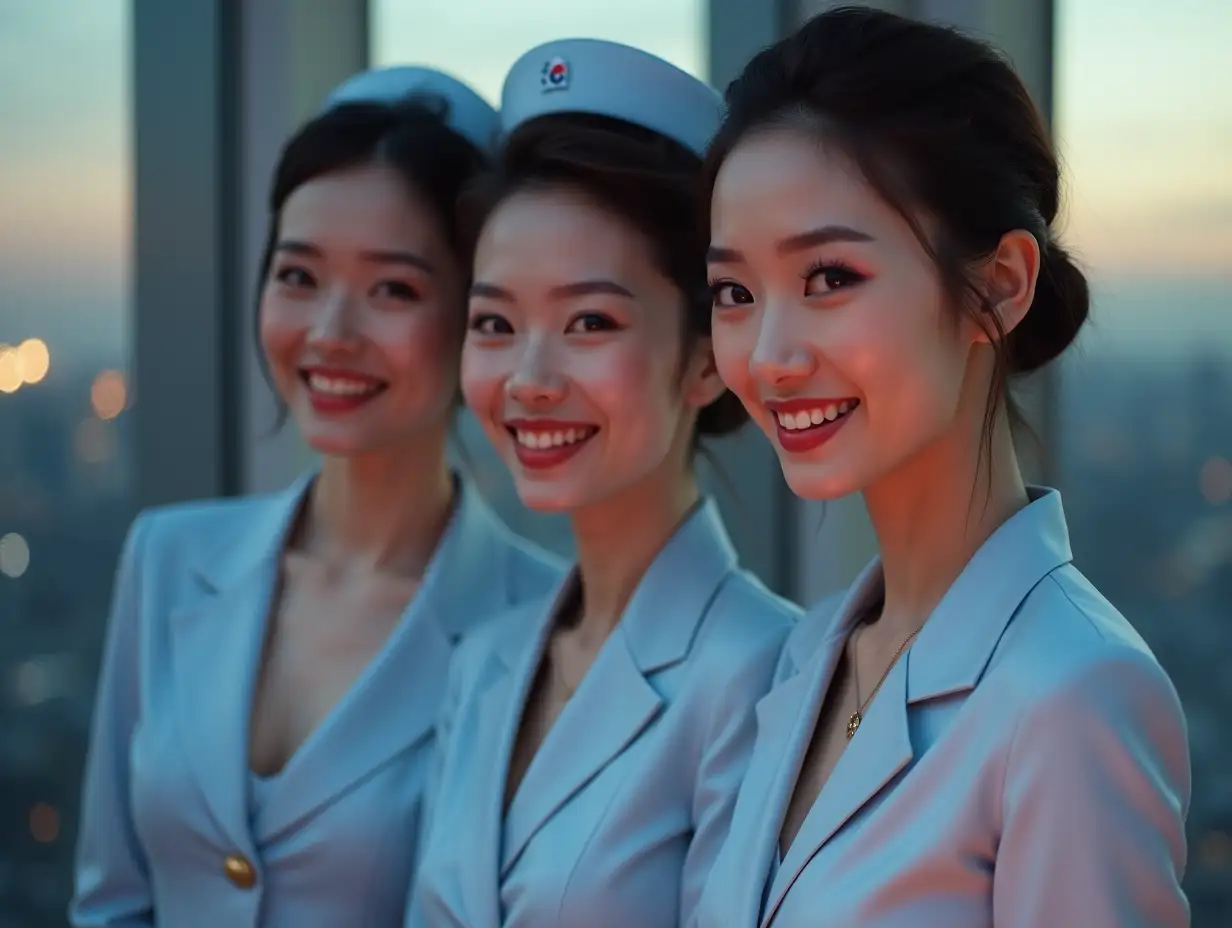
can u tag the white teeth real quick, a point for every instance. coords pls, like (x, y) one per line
(811, 417)
(537, 440)
(340, 386)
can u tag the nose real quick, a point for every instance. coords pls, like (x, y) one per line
(333, 330)
(781, 359)
(535, 383)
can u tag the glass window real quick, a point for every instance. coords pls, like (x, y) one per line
(1145, 445)
(65, 470)
(478, 40)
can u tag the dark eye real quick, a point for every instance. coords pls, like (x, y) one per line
(294, 277)
(729, 293)
(827, 277)
(398, 290)
(490, 324)
(592, 322)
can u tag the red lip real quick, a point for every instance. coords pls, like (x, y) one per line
(799, 441)
(332, 404)
(555, 455)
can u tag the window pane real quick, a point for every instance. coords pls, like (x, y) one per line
(1145, 125)
(478, 40)
(65, 470)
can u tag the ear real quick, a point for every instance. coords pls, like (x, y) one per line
(702, 385)
(1009, 279)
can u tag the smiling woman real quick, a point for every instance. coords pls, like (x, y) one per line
(330, 610)
(597, 737)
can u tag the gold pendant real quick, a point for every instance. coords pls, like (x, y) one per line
(853, 724)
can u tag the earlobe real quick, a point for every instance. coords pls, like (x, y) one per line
(1010, 277)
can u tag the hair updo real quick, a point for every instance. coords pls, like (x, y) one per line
(647, 179)
(942, 127)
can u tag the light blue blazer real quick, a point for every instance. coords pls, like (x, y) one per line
(167, 819)
(623, 809)
(1025, 765)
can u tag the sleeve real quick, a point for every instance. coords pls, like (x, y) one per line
(725, 757)
(1096, 793)
(111, 881)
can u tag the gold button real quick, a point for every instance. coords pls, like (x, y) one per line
(239, 871)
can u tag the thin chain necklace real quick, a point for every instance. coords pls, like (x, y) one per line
(853, 723)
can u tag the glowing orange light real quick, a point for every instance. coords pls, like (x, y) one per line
(108, 394)
(34, 359)
(1215, 480)
(11, 378)
(44, 823)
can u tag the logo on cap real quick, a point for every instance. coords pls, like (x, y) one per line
(555, 75)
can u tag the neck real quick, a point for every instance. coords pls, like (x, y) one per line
(619, 538)
(381, 510)
(933, 513)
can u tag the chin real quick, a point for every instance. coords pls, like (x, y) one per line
(544, 498)
(820, 483)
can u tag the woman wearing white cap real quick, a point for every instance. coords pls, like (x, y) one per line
(274, 664)
(975, 737)
(596, 740)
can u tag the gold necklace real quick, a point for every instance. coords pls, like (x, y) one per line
(853, 723)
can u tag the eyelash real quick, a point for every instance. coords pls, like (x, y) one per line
(298, 278)
(607, 323)
(849, 274)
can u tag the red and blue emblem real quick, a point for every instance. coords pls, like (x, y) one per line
(555, 75)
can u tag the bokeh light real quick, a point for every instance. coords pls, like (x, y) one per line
(108, 394)
(34, 359)
(14, 555)
(1215, 480)
(11, 378)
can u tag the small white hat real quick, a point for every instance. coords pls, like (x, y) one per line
(469, 114)
(610, 79)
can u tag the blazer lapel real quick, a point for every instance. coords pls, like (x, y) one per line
(880, 749)
(782, 737)
(216, 647)
(949, 656)
(579, 744)
(615, 702)
(394, 703)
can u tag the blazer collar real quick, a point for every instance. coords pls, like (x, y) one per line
(661, 619)
(656, 631)
(218, 640)
(949, 656)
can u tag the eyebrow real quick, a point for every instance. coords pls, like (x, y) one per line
(823, 235)
(380, 256)
(562, 292)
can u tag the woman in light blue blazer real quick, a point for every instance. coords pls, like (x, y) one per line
(596, 740)
(274, 667)
(973, 736)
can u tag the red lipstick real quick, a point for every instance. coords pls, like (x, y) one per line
(544, 443)
(810, 422)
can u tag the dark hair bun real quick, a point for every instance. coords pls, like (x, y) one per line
(722, 417)
(1061, 306)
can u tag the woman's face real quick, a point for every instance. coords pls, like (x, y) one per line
(573, 358)
(830, 321)
(361, 315)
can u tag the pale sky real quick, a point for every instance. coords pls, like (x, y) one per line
(1143, 116)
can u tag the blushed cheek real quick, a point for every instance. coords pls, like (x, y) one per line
(482, 377)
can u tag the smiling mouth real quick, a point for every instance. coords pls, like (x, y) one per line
(803, 419)
(339, 392)
(540, 446)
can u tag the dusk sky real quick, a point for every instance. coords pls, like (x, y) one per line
(1143, 116)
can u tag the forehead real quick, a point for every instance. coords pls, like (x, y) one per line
(788, 180)
(559, 235)
(368, 207)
